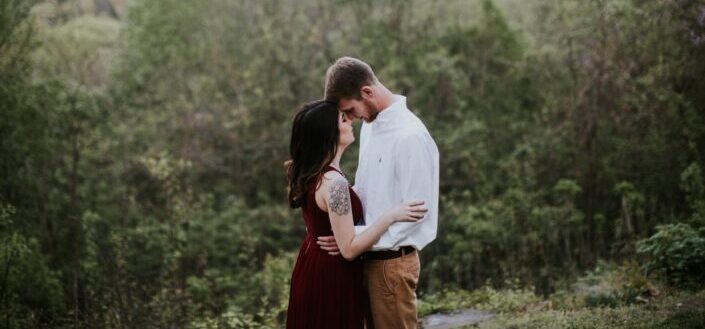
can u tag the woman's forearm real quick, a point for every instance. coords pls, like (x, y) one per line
(360, 243)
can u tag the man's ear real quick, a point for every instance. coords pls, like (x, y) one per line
(367, 92)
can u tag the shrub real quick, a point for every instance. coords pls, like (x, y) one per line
(30, 292)
(447, 301)
(676, 252)
(600, 299)
(607, 285)
(509, 300)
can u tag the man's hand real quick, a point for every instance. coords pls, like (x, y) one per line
(328, 244)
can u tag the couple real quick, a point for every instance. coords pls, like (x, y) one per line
(358, 265)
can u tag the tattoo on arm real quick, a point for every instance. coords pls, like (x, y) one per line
(339, 197)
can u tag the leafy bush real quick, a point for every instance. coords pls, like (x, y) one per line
(262, 306)
(509, 300)
(598, 299)
(446, 301)
(30, 292)
(677, 252)
(232, 318)
(608, 285)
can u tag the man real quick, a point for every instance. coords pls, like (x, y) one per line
(398, 161)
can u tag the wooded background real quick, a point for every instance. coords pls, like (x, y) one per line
(143, 142)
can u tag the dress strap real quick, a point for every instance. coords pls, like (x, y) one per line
(336, 169)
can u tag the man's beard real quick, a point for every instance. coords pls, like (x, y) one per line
(371, 110)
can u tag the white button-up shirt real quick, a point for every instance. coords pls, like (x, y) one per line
(398, 163)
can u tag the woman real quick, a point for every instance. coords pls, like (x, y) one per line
(326, 290)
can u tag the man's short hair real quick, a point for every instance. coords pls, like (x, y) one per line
(346, 77)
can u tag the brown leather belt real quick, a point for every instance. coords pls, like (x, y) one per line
(388, 254)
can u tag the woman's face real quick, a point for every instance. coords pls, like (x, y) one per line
(346, 136)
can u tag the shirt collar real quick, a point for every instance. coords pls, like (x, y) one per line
(390, 113)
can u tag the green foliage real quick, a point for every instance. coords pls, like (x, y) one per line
(607, 285)
(142, 150)
(610, 296)
(79, 51)
(445, 301)
(30, 291)
(232, 318)
(623, 318)
(601, 300)
(677, 311)
(508, 300)
(693, 185)
(268, 298)
(676, 251)
(632, 208)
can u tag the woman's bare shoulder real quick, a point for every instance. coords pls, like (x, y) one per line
(330, 182)
(331, 179)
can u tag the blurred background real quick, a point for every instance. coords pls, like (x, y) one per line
(142, 146)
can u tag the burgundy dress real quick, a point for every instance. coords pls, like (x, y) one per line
(326, 291)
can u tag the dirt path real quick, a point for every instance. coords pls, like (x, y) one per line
(455, 320)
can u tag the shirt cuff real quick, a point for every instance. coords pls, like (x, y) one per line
(360, 229)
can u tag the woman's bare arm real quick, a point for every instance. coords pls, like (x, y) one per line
(334, 195)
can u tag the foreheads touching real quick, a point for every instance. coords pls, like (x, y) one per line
(351, 83)
(346, 77)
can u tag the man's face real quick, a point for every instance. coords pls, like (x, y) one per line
(362, 109)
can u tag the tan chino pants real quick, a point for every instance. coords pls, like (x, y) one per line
(391, 285)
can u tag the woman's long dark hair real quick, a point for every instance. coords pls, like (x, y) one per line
(314, 141)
